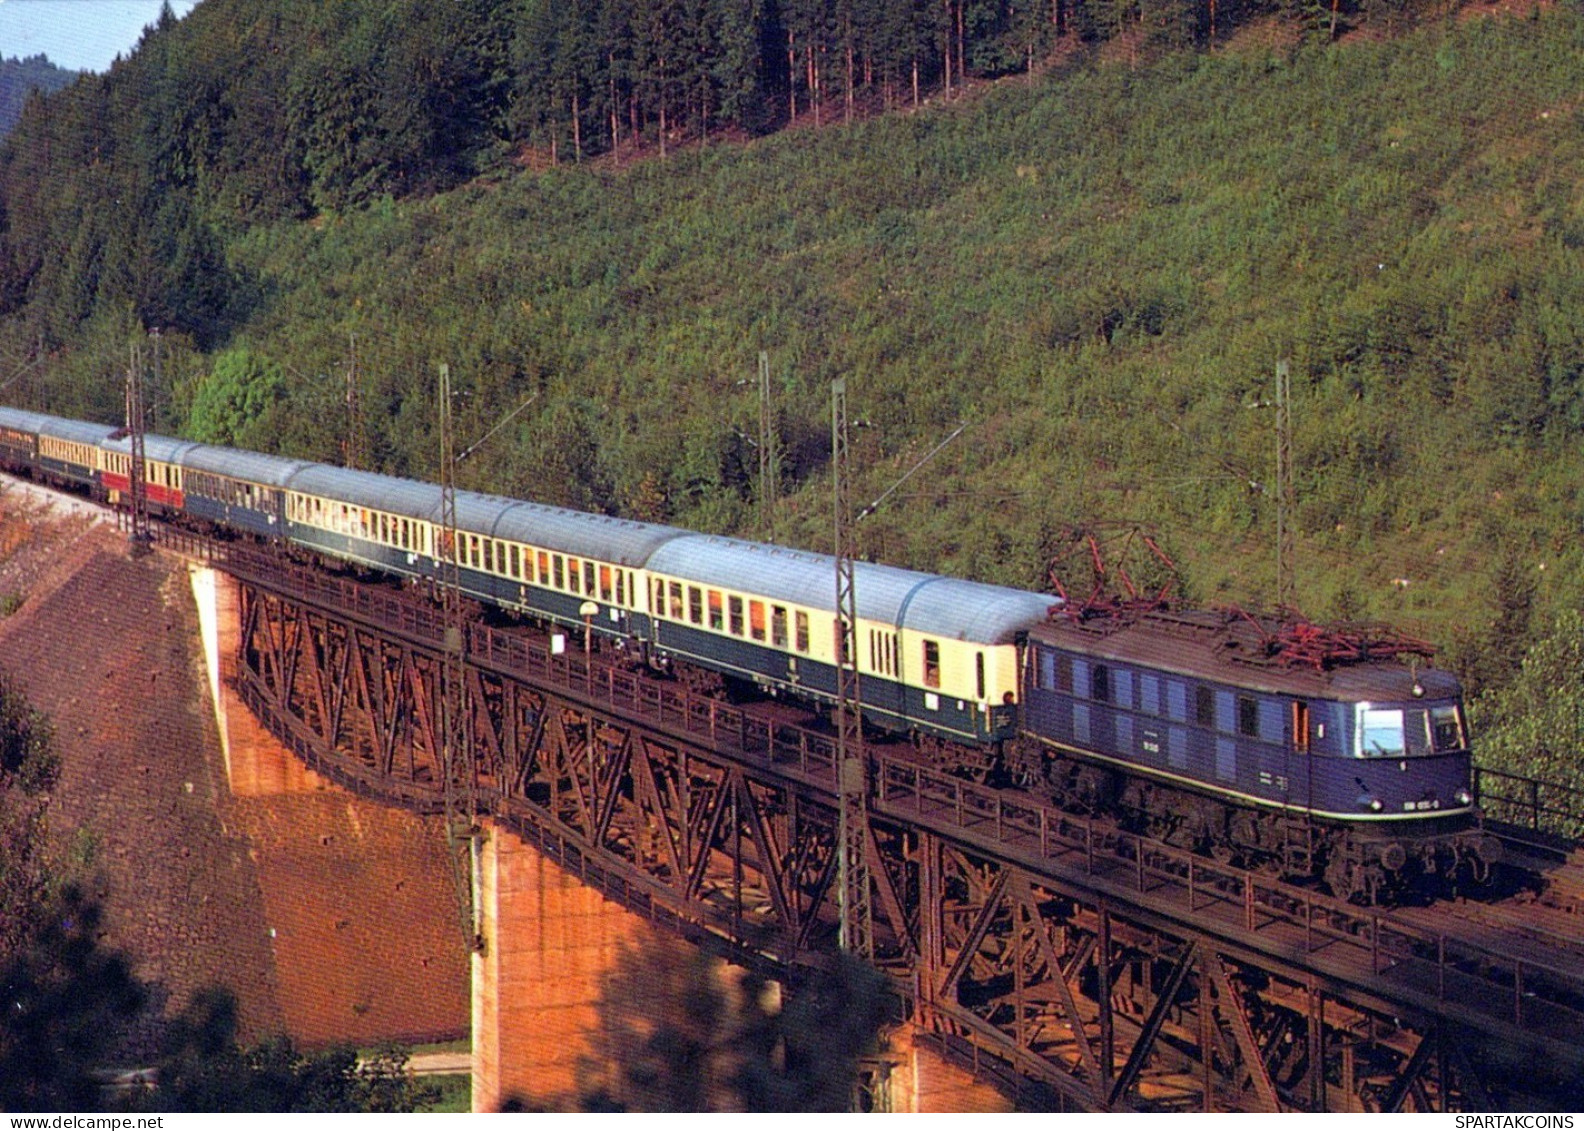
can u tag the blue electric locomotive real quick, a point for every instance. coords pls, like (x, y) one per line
(1347, 757)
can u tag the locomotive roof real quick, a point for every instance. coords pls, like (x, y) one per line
(937, 606)
(1227, 647)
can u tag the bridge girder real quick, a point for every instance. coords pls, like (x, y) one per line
(1069, 998)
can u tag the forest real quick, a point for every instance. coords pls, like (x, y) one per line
(1086, 229)
(20, 77)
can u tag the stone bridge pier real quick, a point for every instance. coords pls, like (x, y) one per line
(551, 946)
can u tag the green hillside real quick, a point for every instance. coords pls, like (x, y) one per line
(1097, 269)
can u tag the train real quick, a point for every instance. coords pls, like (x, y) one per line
(1344, 763)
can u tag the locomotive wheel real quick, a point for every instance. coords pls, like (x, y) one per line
(1344, 877)
(1394, 857)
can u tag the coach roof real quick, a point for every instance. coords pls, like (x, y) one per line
(946, 607)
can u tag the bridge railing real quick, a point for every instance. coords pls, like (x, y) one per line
(1453, 971)
(1529, 803)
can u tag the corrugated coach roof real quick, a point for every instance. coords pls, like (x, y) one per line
(255, 467)
(24, 421)
(619, 540)
(551, 528)
(405, 497)
(946, 607)
(161, 448)
(75, 431)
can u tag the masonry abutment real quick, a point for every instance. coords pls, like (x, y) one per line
(257, 765)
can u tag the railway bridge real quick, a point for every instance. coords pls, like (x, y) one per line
(1071, 964)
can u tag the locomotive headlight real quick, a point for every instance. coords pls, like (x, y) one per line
(1376, 805)
(1463, 797)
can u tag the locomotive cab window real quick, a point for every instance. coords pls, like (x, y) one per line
(1380, 732)
(1446, 729)
(1434, 731)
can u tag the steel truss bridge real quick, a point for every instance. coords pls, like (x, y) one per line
(1074, 965)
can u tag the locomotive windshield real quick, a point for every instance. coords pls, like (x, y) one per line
(1397, 732)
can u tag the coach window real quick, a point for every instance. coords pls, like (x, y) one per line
(657, 601)
(695, 604)
(515, 556)
(558, 571)
(1100, 684)
(778, 626)
(676, 601)
(735, 606)
(979, 676)
(717, 607)
(607, 589)
(756, 619)
(588, 579)
(801, 626)
(932, 673)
